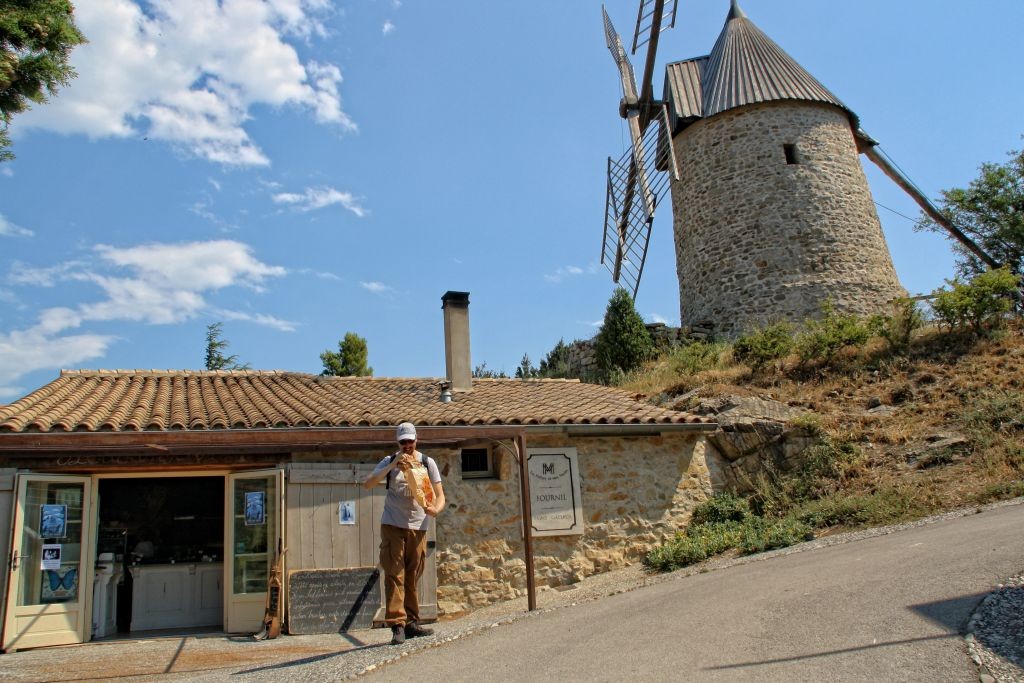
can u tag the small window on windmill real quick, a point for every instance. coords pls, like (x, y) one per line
(477, 463)
(791, 157)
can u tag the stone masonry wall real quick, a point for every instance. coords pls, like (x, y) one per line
(760, 240)
(636, 492)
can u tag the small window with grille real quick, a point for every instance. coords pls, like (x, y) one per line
(477, 463)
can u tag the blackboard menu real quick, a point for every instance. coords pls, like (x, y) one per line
(332, 600)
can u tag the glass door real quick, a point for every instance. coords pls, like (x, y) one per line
(253, 529)
(51, 573)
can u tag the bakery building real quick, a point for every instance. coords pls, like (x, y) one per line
(139, 500)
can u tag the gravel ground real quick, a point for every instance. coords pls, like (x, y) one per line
(995, 633)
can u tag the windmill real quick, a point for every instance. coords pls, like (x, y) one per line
(772, 214)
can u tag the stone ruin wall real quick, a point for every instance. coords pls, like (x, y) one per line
(759, 240)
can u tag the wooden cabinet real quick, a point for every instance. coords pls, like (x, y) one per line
(177, 595)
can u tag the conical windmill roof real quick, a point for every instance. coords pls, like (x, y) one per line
(745, 67)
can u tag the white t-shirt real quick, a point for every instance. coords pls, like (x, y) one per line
(400, 508)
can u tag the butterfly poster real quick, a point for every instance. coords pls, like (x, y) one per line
(60, 585)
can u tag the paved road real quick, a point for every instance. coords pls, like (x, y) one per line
(880, 609)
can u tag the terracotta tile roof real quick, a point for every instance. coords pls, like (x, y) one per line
(165, 400)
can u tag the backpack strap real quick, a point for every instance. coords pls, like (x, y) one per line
(426, 463)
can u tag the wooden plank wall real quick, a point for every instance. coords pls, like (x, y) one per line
(316, 540)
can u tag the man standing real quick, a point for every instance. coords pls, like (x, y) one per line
(403, 532)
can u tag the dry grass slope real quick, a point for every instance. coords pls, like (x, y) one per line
(936, 428)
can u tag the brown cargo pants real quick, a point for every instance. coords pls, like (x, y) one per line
(403, 553)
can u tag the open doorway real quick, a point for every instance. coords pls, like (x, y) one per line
(159, 554)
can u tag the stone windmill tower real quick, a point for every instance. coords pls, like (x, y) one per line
(772, 211)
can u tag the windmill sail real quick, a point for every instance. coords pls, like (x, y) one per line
(635, 186)
(627, 222)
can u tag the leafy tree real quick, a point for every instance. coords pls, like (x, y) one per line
(36, 39)
(483, 372)
(979, 304)
(526, 369)
(991, 211)
(556, 363)
(350, 360)
(215, 345)
(623, 343)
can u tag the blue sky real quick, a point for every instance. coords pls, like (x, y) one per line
(298, 169)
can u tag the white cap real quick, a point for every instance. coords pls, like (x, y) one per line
(406, 430)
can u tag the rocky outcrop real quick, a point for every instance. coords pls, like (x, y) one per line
(754, 433)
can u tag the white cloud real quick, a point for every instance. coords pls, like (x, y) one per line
(22, 352)
(9, 229)
(24, 274)
(153, 283)
(7, 171)
(376, 287)
(319, 198)
(564, 272)
(189, 72)
(388, 27)
(657, 318)
(258, 319)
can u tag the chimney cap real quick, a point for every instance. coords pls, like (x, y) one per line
(451, 298)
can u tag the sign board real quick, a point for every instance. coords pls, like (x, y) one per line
(332, 600)
(555, 500)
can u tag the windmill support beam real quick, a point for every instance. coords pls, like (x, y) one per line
(926, 205)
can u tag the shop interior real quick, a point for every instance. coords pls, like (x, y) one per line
(160, 554)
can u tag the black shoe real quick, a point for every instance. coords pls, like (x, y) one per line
(397, 635)
(414, 630)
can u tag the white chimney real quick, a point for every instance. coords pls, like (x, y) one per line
(456, 340)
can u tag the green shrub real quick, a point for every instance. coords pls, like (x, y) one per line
(763, 346)
(885, 506)
(821, 339)
(980, 305)
(696, 357)
(898, 328)
(821, 471)
(623, 343)
(761, 534)
(700, 542)
(722, 507)
(990, 412)
(810, 423)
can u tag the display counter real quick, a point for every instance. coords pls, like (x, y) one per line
(177, 595)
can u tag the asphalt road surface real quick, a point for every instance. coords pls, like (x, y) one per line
(888, 608)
